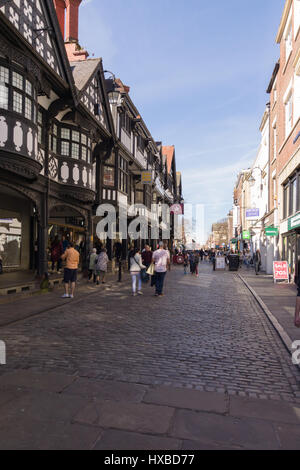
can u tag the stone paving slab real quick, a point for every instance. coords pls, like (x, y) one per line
(224, 430)
(123, 440)
(194, 445)
(50, 382)
(45, 435)
(127, 416)
(190, 399)
(107, 390)
(289, 436)
(266, 410)
(41, 406)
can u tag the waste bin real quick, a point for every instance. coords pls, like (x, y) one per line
(234, 262)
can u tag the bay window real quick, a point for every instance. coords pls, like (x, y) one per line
(17, 93)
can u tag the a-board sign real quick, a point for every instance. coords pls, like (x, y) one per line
(280, 271)
(220, 262)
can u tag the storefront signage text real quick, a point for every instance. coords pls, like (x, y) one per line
(294, 222)
(271, 232)
(280, 271)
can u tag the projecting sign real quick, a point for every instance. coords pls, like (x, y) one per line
(147, 177)
(271, 232)
(246, 235)
(252, 213)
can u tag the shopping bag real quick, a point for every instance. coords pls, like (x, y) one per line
(151, 270)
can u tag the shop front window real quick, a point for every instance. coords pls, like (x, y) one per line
(10, 239)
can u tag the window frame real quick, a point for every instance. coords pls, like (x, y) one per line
(21, 90)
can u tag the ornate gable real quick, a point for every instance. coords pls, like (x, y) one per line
(29, 17)
(93, 100)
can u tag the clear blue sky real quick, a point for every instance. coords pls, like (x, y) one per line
(198, 73)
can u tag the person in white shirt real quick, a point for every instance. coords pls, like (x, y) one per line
(161, 260)
(135, 267)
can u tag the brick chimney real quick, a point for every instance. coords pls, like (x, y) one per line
(60, 7)
(69, 28)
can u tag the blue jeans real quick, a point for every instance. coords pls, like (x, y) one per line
(136, 277)
(159, 284)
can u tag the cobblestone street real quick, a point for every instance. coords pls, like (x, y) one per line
(207, 334)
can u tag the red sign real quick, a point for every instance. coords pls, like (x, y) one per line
(281, 270)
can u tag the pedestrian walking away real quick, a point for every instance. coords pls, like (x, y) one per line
(135, 267)
(257, 261)
(161, 259)
(92, 264)
(71, 256)
(56, 252)
(101, 266)
(185, 263)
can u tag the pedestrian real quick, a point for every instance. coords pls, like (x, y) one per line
(161, 259)
(185, 262)
(196, 264)
(71, 256)
(135, 267)
(213, 259)
(56, 252)
(257, 261)
(147, 256)
(201, 254)
(191, 260)
(92, 263)
(101, 266)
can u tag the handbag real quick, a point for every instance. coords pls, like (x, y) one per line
(151, 270)
(145, 277)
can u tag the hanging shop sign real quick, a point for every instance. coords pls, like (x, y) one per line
(280, 271)
(147, 177)
(246, 235)
(294, 222)
(252, 213)
(271, 232)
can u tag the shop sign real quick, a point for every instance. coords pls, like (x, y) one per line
(280, 271)
(147, 177)
(252, 213)
(246, 235)
(294, 222)
(271, 232)
(234, 241)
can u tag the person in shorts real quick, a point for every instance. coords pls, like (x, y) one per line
(71, 256)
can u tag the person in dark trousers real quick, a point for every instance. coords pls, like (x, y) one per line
(257, 261)
(56, 252)
(161, 259)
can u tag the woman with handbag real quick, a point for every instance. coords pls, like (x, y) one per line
(135, 267)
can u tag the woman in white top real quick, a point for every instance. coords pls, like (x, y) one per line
(135, 267)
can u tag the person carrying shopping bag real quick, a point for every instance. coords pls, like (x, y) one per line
(135, 267)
